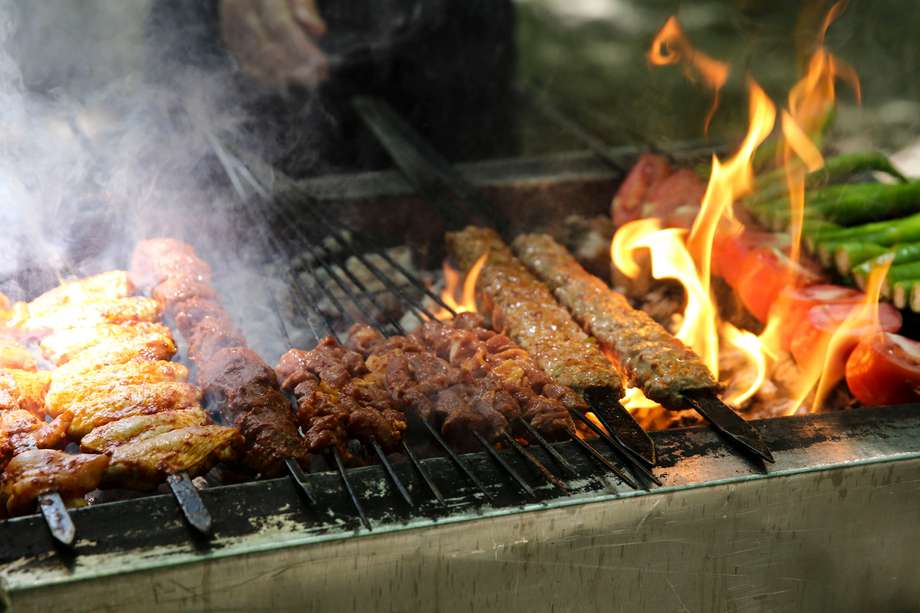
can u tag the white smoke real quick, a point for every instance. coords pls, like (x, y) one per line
(95, 154)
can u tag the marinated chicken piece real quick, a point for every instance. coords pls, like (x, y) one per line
(117, 404)
(105, 310)
(152, 346)
(24, 389)
(14, 355)
(106, 438)
(245, 390)
(180, 289)
(157, 259)
(146, 462)
(469, 408)
(519, 304)
(65, 391)
(189, 312)
(64, 345)
(21, 431)
(652, 359)
(98, 288)
(39, 471)
(339, 398)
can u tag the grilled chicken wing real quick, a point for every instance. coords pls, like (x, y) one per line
(38, 471)
(106, 286)
(105, 310)
(64, 345)
(73, 388)
(14, 355)
(146, 448)
(21, 431)
(130, 400)
(23, 389)
(139, 427)
(113, 351)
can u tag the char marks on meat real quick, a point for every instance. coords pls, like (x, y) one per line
(339, 398)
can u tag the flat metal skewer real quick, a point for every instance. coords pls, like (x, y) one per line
(598, 457)
(548, 447)
(400, 486)
(635, 465)
(456, 459)
(621, 425)
(337, 458)
(57, 518)
(507, 467)
(603, 435)
(424, 473)
(193, 507)
(728, 423)
(541, 468)
(299, 478)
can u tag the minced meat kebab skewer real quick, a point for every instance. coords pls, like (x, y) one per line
(519, 304)
(652, 359)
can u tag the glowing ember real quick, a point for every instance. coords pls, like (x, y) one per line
(671, 46)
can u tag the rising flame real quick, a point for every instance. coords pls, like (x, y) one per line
(461, 301)
(750, 346)
(840, 341)
(671, 46)
(671, 260)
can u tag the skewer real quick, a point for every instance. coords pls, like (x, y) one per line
(507, 467)
(337, 458)
(603, 435)
(424, 473)
(57, 518)
(400, 486)
(547, 474)
(193, 507)
(456, 459)
(739, 433)
(300, 479)
(552, 451)
(637, 468)
(596, 455)
(621, 425)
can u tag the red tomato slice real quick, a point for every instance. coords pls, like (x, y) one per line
(793, 304)
(811, 337)
(729, 250)
(627, 204)
(885, 369)
(765, 273)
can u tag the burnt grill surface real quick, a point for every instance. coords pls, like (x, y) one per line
(154, 524)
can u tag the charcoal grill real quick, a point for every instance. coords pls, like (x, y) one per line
(720, 533)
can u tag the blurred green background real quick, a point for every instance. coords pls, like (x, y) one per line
(589, 56)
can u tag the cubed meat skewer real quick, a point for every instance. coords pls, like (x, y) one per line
(339, 398)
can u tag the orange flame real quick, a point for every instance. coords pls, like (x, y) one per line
(841, 341)
(671, 46)
(750, 346)
(460, 301)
